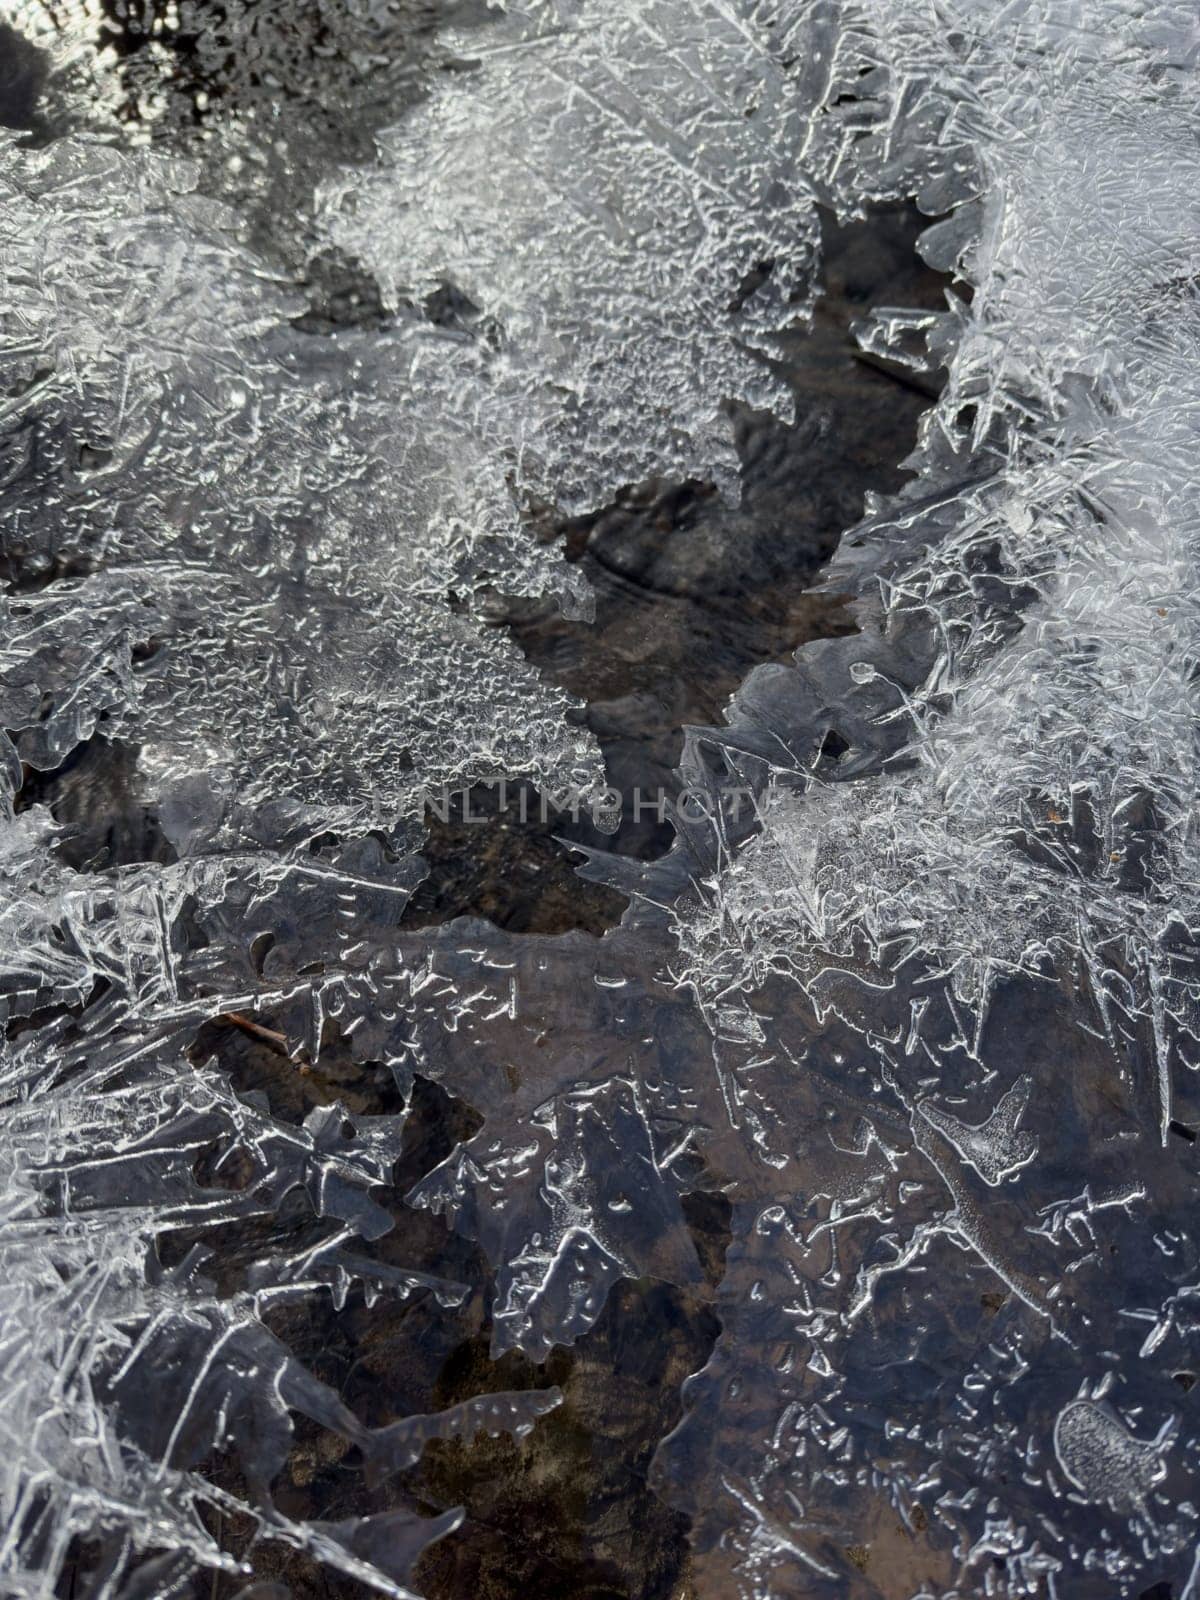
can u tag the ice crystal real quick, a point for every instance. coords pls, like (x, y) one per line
(629, 211)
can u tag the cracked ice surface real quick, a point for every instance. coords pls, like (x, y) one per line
(930, 1025)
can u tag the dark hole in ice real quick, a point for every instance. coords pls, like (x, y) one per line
(40, 1016)
(573, 1515)
(507, 862)
(709, 1216)
(260, 948)
(22, 74)
(219, 1167)
(434, 1123)
(94, 796)
(751, 283)
(341, 294)
(92, 458)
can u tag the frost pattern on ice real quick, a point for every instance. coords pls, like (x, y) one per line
(618, 190)
(269, 522)
(989, 899)
(930, 1024)
(248, 554)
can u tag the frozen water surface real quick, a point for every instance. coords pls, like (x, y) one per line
(316, 321)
